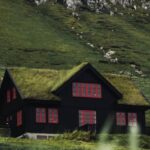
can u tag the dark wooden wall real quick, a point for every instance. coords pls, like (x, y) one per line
(107, 100)
(30, 117)
(71, 105)
(105, 107)
(11, 108)
(140, 111)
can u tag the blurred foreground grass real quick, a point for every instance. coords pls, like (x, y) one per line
(73, 141)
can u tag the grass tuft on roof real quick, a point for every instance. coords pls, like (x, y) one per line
(68, 74)
(41, 83)
(35, 83)
(131, 94)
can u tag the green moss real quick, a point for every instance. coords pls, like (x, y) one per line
(40, 83)
(35, 83)
(131, 94)
(67, 74)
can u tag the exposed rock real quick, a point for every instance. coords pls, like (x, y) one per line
(73, 4)
(133, 65)
(101, 48)
(111, 13)
(38, 2)
(91, 45)
(115, 60)
(72, 28)
(135, 7)
(138, 71)
(81, 37)
(75, 15)
(121, 14)
(109, 54)
(146, 5)
(107, 5)
(100, 5)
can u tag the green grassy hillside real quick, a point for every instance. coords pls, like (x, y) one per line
(45, 37)
(31, 37)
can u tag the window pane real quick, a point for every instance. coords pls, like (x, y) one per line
(120, 119)
(84, 90)
(80, 89)
(19, 118)
(99, 90)
(87, 117)
(53, 115)
(90, 90)
(94, 91)
(40, 115)
(132, 119)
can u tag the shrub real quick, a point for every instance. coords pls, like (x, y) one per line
(78, 135)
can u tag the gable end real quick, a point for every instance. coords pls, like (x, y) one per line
(89, 66)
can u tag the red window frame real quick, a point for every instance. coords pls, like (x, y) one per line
(14, 94)
(89, 90)
(40, 115)
(8, 96)
(19, 118)
(87, 117)
(53, 115)
(120, 119)
(132, 119)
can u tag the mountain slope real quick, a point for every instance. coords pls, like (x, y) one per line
(31, 32)
(30, 38)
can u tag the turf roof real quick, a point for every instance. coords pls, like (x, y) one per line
(131, 94)
(39, 83)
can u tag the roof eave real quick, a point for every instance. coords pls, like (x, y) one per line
(41, 100)
(145, 107)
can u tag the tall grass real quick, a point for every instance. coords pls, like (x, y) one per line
(79, 141)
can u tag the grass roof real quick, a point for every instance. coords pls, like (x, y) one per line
(40, 83)
(131, 94)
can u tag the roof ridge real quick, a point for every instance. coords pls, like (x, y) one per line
(69, 74)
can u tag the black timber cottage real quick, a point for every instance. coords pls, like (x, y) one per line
(44, 101)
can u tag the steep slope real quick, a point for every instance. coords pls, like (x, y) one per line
(31, 38)
(39, 35)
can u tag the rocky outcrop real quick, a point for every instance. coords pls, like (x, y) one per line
(38, 2)
(73, 4)
(103, 5)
